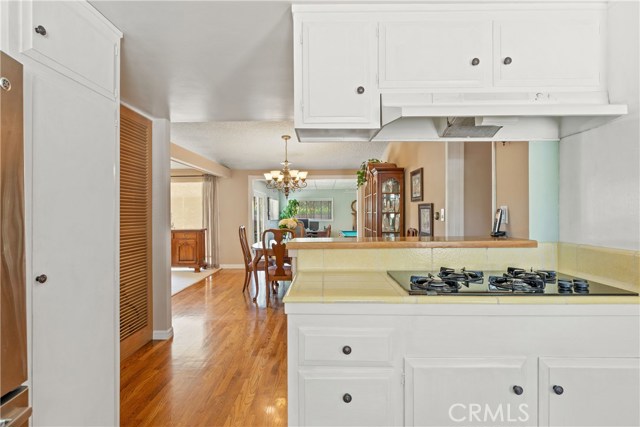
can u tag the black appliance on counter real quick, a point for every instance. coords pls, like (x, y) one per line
(515, 281)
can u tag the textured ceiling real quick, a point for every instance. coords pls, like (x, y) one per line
(222, 73)
(257, 145)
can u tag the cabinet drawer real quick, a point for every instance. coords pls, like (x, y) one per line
(184, 235)
(346, 398)
(74, 40)
(345, 346)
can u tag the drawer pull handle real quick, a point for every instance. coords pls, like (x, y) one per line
(558, 390)
(346, 349)
(41, 30)
(518, 390)
(347, 398)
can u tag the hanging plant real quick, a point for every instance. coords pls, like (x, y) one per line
(362, 172)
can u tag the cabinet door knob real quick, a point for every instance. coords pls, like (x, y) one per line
(346, 349)
(5, 83)
(475, 61)
(347, 398)
(360, 90)
(558, 389)
(41, 278)
(518, 390)
(41, 30)
(507, 60)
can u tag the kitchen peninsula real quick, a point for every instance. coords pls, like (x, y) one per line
(362, 351)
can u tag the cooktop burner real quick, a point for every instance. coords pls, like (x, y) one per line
(515, 281)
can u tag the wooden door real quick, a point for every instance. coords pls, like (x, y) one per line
(136, 327)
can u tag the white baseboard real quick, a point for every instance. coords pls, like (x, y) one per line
(232, 266)
(163, 335)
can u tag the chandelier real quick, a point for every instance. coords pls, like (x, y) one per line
(286, 180)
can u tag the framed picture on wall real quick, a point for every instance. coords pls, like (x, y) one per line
(273, 213)
(425, 219)
(416, 185)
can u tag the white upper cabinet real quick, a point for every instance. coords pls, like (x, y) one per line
(335, 77)
(547, 51)
(73, 39)
(435, 52)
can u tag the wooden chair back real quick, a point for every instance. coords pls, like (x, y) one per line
(246, 251)
(326, 232)
(273, 239)
(412, 232)
(299, 230)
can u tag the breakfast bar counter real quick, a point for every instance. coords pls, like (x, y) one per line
(410, 242)
(378, 287)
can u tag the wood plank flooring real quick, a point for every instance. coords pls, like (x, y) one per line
(225, 366)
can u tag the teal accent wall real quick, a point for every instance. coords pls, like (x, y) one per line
(544, 188)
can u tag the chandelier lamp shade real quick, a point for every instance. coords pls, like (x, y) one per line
(286, 180)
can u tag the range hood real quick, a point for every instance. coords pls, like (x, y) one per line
(480, 117)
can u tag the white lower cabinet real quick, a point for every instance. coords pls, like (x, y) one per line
(463, 365)
(589, 392)
(462, 391)
(347, 397)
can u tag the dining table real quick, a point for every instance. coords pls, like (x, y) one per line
(258, 251)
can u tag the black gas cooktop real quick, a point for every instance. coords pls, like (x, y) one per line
(513, 281)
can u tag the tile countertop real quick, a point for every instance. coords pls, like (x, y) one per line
(378, 287)
(410, 242)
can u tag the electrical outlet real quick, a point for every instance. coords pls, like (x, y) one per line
(505, 214)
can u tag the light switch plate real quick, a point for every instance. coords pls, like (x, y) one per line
(442, 214)
(505, 214)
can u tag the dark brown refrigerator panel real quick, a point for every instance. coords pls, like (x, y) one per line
(12, 270)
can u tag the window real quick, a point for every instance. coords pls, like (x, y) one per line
(186, 203)
(316, 209)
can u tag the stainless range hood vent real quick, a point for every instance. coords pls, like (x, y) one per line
(466, 127)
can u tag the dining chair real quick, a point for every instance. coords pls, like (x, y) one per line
(326, 232)
(275, 249)
(412, 232)
(300, 230)
(246, 255)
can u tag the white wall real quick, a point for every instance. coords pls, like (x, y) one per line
(600, 168)
(161, 228)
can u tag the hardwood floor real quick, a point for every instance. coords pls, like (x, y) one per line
(225, 366)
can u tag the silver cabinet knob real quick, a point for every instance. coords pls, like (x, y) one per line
(41, 30)
(475, 61)
(557, 389)
(507, 60)
(41, 278)
(5, 83)
(360, 90)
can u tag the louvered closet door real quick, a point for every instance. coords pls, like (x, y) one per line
(135, 232)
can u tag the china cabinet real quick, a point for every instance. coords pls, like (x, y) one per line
(384, 201)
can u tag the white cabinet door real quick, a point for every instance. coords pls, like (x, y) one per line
(75, 244)
(539, 51)
(435, 53)
(589, 392)
(349, 397)
(338, 85)
(469, 391)
(72, 38)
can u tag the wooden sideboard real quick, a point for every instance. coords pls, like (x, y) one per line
(187, 249)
